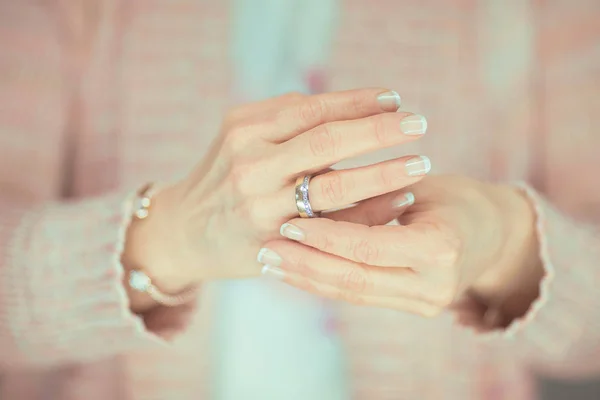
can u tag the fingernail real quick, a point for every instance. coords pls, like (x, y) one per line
(292, 232)
(389, 101)
(413, 125)
(273, 272)
(404, 200)
(418, 166)
(268, 257)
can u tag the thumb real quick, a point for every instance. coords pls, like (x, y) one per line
(375, 211)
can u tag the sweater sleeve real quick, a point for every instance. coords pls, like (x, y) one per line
(62, 297)
(560, 334)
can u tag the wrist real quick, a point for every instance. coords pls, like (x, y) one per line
(512, 282)
(151, 246)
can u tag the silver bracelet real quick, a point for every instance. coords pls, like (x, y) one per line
(138, 279)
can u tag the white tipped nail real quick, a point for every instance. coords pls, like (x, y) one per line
(292, 232)
(405, 200)
(418, 166)
(273, 272)
(267, 256)
(389, 101)
(413, 125)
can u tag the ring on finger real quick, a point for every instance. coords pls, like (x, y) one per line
(302, 198)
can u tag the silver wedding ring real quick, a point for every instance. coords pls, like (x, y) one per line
(302, 199)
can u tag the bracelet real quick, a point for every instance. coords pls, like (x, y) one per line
(138, 279)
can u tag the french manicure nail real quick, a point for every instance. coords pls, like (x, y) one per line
(404, 200)
(418, 166)
(389, 101)
(268, 257)
(273, 272)
(292, 232)
(413, 125)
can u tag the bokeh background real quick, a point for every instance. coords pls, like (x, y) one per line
(480, 64)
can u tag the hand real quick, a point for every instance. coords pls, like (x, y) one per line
(461, 236)
(212, 224)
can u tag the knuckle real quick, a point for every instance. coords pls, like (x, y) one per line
(325, 242)
(305, 285)
(429, 311)
(324, 141)
(448, 254)
(243, 177)
(235, 137)
(334, 188)
(444, 296)
(238, 177)
(357, 104)
(312, 110)
(380, 130)
(232, 116)
(388, 175)
(366, 252)
(449, 247)
(250, 211)
(350, 297)
(354, 280)
(300, 265)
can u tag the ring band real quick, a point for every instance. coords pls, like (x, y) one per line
(302, 200)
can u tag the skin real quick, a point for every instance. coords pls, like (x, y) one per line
(464, 244)
(211, 224)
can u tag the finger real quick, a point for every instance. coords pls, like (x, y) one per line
(410, 305)
(340, 189)
(339, 272)
(318, 109)
(380, 246)
(337, 189)
(379, 210)
(333, 142)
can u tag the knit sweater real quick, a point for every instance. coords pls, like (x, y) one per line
(96, 102)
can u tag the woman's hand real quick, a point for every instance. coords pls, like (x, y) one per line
(461, 236)
(212, 224)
